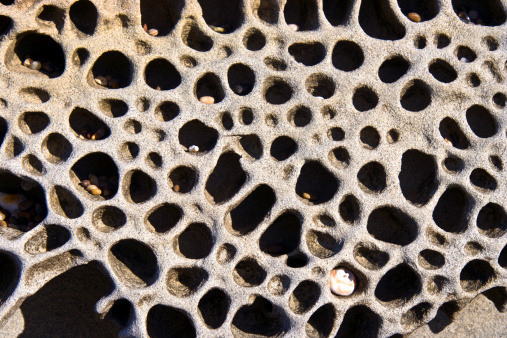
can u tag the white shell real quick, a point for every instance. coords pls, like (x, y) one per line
(193, 149)
(10, 201)
(293, 27)
(342, 282)
(35, 65)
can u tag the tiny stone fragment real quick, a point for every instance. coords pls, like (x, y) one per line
(207, 99)
(414, 17)
(342, 282)
(193, 149)
(153, 32)
(293, 27)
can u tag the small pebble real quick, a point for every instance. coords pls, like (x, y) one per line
(193, 149)
(3, 223)
(153, 32)
(91, 187)
(463, 59)
(2, 216)
(27, 62)
(85, 183)
(98, 134)
(101, 80)
(342, 282)
(473, 14)
(36, 65)
(307, 196)
(96, 191)
(207, 99)
(176, 188)
(145, 27)
(414, 17)
(217, 29)
(10, 202)
(464, 17)
(293, 27)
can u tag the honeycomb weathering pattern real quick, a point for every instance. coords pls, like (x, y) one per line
(362, 140)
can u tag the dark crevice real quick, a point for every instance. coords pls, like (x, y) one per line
(133, 262)
(248, 273)
(296, 261)
(139, 187)
(161, 15)
(53, 14)
(416, 315)
(168, 321)
(246, 116)
(114, 65)
(183, 179)
(364, 99)
(372, 177)
(500, 100)
(391, 225)
(451, 132)
(196, 133)
(316, 183)
(309, 53)
(160, 74)
(398, 286)
(56, 148)
(83, 14)
(321, 323)
(194, 38)
(502, 258)
(393, 69)
(442, 71)
(275, 64)
(482, 180)
(451, 212)
(260, 318)
(418, 176)
(303, 13)
(213, 308)
(377, 20)
(336, 134)
(283, 147)
(349, 209)
(492, 220)
(254, 40)
(195, 233)
(304, 297)
(227, 121)
(282, 236)
(266, 10)
(164, 217)
(416, 96)
(465, 54)
(120, 313)
(347, 56)
(226, 179)
(252, 145)
(277, 91)
(6, 24)
(9, 275)
(241, 79)
(222, 15)
(481, 121)
(359, 321)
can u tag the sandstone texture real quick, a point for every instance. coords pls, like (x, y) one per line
(200, 167)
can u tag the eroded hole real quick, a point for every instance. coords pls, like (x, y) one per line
(337, 13)
(324, 221)
(491, 43)
(418, 176)
(254, 40)
(182, 179)
(113, 107)
(391, 225)
(481, 121)
(80, 57)
(436, 238)
(315, 183)
(489, 12)
(370, 138)
(297, 261)
(227, 121)
(251, 211)
(33, 165)
(336, 134)
(320, 85)
(369, 256)
(360, 321)
(392, 136)
(322, 245)
(372, 177)
(248, 273)
(309, 54)
(465, 54)
(393, 69)
(241, 79)
(160, 74)
(163, 218)
(194, 38)
(50, 237)
(492, 220)
(452, 133)
(416, 96)
(299, 116)
(282, 236)
(426, 10)
(88, 126)
(6, 24)
(132, 126)
(442, 41)
(163, 320)
(195, 233)
(473, 80)
(476, 275)
(502, 258)
(349, 209)
(133, 262)
(398, 286)
(364, 99)
(53, 14)
(226, 179)
(347, 56)
(321, 322)
(473, 248)
(420, 42)
(451, 212)
(301, 13)
(252, 145)
(416, 315)
(499, 99)
(213, 308)
(196, 133)
(304, 297)
(9, 275)
(14, 147)
(34, 95)
(482, 180)
(277, 91)
(160, 15)
(431, 259)
(83, 15)
(283, 147)
(129, 151)
(437, 284)
(246, 116)
(56, 148)
(167, 111)
(114, 67)
(33, 122)
(108, 218)
(278, 285)
(138, 187)
(223, 18)
(225, 253)
(259, 318)
(442, 71)
(209, 85)
(121, 312)
(378, 21)
(266, 10)
(339, 157)
(275, 64)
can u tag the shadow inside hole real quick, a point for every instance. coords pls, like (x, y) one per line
(6, 24)
(108, 218)
(33, 165)
(431, 259)
(49, 238)
(133, 262)
(309, 54)
(33, 122)
(120, 313)
(482, 180)
(275, 64)
(316, 182)
(254, 40)
(112, 64)
(418, 176)
(347, 56)
(160, 74)
(282, 236)
(195, 233)
(300, 116)
(83, 15)
(360, 321)
(161, 15)
(490, 12)
(416, 316)
(214, 307)
(481, 121)
(369, 256)
(167, 111)
(303, 13)
(283, 147)
(53, 14)
(65, 203)
(442, 41)
(378, 20)
(56, 148)
(259, 318)
(320, 85)
(297, 261)
(266, 10)
(196, 133)
(372, 178)
(426, 10)
(451, 132)
(337, 12)
(416, 96)
(84, 123)
(304, 297)
(163, 321)
(241, 79)
(227, 121)
(442, 71)
(451, 212)
(370, 138)
(349, 209)
(164, 217)
(393, 69)
(321, 322)
(184, 177)
(339, 157)
(492, 220)
(465, 54)
(139, 187)
(209, 85)
(226, 179)
(476, 275)
(248, 273)
(398, 285)
(322, 244)
(113, 108)
(391, 225)
(194, 38)
(364, 99)
(277, 91)
(227, 15)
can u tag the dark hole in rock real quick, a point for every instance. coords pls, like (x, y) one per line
(277, 91)
(7, 2)
(436, 238)
(226, 253)
(252, 145)
(195, 233)
(393, 136)
(9, 275)
(491, 12)
(322, 244)
(450, 131)
(324, 220)
(226, 179)
(276, 64)
(372, 177)
(499, 99)
(184, 177)
(65, 203)
(38, 47)
(418, 176)
(251, 211)
(377, 20)
(337, 12)
(83, 14)
(465, 54)
(416, 96)
(283, 147)
(210, 85)
(347, 56)
(33, 122)
(254, 40)
(309, 53)
(369, 256)
(491, 43)
(416, 315)
(398, 286)
(168, 321)
(33, 165)
(266, 10)
(196, 133)
(303, 13)
(132, 126)
(300, 116)
(476, 275)
(442, 41)
(473, 248)
(304, 297)
(100, 165)
(56, 148)
(248, 273)
(296, 261)
(241, 79)
(213, 308)
(339, 157)
(139, 187)
(474, 80)
(391, 225)
(84, 122)
(442, 71)
(282, 236)
(227, 15)
(450, 213)
(108, 218)
(163, 218)
(260, 318)
(160, 74)
(349, 209)
(492, 220)
(427, 10)
(14, 147)
(6, 24)
(114, 64)
(34, 95)
(393, 69)
(161, 15)
(316, 181)
(336, 134)
(133, 262)
(320, 85)
(121, 312)
(246, 116)
(498, 295)
(129, 151)
(185, 281)
(481, 121)
(321, 322)
(370, 138)
(502, 258)
(53, 14)
(227, 121)
(364, 99)
(113, 107)
(194, 38)
(436, 284)
(420, 42)
(167, 111)
(431, 259)
(482, 180)
(360, 321)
